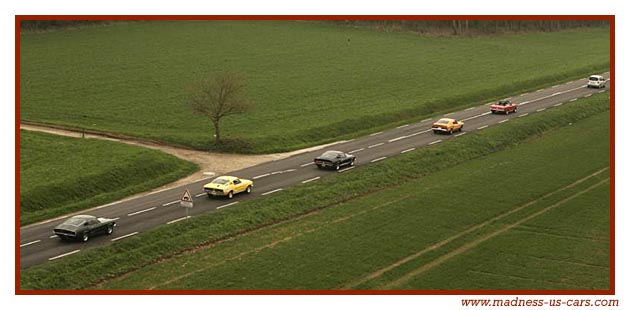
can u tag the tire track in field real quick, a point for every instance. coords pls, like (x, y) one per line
(406, 278)
(446, 241)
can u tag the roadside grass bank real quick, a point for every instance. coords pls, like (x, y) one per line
(94, 266)
(61, 175)
(313, 83)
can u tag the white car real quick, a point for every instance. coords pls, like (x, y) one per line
(596, 81)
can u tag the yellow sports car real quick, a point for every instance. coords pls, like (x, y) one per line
(228, 186)
(447, 125)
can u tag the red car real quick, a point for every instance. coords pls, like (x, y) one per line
(503, 106)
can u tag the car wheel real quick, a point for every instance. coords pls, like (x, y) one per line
(435, 131)
(85, 237)
(248, 190)
(110, 230)
(230, 195)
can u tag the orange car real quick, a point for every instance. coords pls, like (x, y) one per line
(447, 125)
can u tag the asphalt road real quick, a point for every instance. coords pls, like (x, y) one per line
(39, 245)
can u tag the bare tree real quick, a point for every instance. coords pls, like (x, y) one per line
(217, 97)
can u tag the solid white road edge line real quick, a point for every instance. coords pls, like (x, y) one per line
(408, 150)
(434, 142)
(310, 180)
(227, 205)
(482, 127)
(378, 159)
(142, 211)
(357, 150)
(65, 254)
(375, 145)
(261, 176)
(29, 243)
(271, 192)
(177, 220)
(125, 236)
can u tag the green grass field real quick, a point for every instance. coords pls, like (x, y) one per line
(312, 82)
(60, 175)
(332, 236)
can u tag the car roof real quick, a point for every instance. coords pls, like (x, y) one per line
(228, 177)
(446, 119)
(595, 75)
(84, 217)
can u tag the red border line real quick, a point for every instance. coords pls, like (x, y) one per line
(609, 18)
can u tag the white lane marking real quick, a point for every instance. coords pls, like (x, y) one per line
(601, 91)
(310, 180)
(227, 205)
(200, 194)
(540, 90)
(29, 243)
(503, 121)
(344, 170)
(486, 113)
(447, 114)
(307, 164)
(523, 103)
(378, 159)
(396, 139)
(460, 134)
(376, 133)
(115, 219)
(402, 126)
(170, 203)
(424, 120)
(145, 210)
(472, 117)
(574, 99)
(65, 254)
(53, 236)
(261, 176)
(586, 96)
(569, 82)
(523, 115)
(177, 220)
(408, 150)
(357, 150)
(283, 171)
(482, 127)
(375, 145)
(419, 132)
(434, 142)
(555, 86)
(540, 110)
(125, 236)
(472, 108)
(558, 104)
(523, 94)
(271, 192)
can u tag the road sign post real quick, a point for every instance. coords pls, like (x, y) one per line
(186, 201)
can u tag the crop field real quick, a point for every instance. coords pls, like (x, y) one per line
(312, 83)
(59, 175)
(415, 230)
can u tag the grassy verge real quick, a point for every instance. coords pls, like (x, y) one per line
(102, 263)
(60, 175)
(312, 82)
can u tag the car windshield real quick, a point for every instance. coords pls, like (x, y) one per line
(220, 181)
(74, 221)
(443, 121)
(503, 102)
(330, 154)
(593, 78)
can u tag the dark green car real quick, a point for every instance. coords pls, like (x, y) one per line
(82, 227)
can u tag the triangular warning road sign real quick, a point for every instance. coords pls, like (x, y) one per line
(186, 196)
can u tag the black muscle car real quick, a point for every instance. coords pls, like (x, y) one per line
(82, 227)
(334, 160)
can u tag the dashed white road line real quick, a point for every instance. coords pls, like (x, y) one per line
(418, 133)
(447, 114)
(523, 103)
(396, 139)
(486, 113)
(574, 99)
(558, 104)
(376, 133)
(310, 180)
(523, 94)
(29, 243)
(344, 170)
(53, 236)
(586, 96)
(434, 142)
(271, 192)
(402, 126)
(601, 91)
(261, 176)
(378, 159)
(460, 134)
(357, 150)
(523, 115)
(125, 236)
(541, 109)
(142, 211)
(200, 194)
(555, 86)
(307, 164)
(408, 150)
(482, 127)
(283, 171)
(425, 120)
(503, 121)
(65, 254)
(170, 203)
(375, 145)
(177, 220)
(227, 205)
(540, 90)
